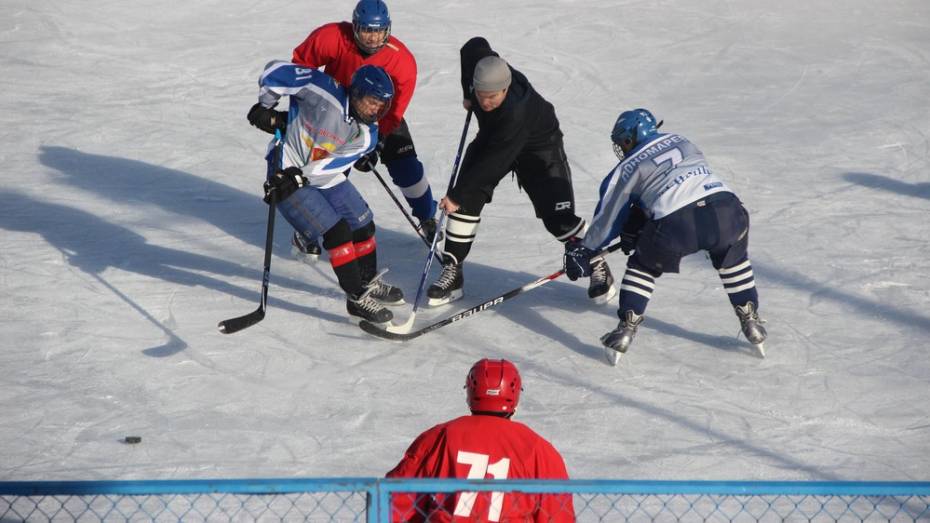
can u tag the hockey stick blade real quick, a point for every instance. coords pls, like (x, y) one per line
(233, 325)
(404, 327)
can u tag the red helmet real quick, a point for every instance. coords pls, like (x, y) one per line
(493, 386)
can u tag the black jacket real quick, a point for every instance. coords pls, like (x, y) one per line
(525, 121)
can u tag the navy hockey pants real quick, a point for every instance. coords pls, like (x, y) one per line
(718, 224)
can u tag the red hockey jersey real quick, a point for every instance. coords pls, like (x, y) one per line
(333, 46)
(482, 447)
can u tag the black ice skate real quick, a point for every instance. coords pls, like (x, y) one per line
(448, 287)
(305, 250)
(366, 307)
(617, 341)
(601, 287)
(385, 293)
(752, 327)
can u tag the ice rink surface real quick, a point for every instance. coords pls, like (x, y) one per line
(132, 223)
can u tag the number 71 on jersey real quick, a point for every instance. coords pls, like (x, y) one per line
(478, 468)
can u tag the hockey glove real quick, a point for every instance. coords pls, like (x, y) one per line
(284, 183)
(577, 259)
(368, 162)
(630, 233)
(628, 242)
(267, 119)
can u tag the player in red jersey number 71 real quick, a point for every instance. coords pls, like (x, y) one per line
(484, 445)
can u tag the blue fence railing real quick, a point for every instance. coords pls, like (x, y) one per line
(370, 500)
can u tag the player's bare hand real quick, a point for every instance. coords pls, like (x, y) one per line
(448, 205)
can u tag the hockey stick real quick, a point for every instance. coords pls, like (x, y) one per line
(404, 211)
(243, 322)
(389, 334)
(407, 325)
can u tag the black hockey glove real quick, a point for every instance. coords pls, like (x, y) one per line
(628, 242)
(577, 259)
(369, 161)
(266, 119)
(284, 183)
(630, 233)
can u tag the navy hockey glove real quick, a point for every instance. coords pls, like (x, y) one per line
(577, 259)
(635, 222)
(266, 119)
(628, 242)
(369, 161)
(284, 183)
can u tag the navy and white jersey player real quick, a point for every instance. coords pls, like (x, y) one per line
(326, 129)
(664, 201)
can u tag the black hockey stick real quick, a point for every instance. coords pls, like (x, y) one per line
(243, 322)
(374, 330)
(404, 211)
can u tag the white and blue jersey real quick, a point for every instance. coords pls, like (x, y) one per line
(322, 138)
(659, 176)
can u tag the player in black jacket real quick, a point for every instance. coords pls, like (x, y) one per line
(519, 132)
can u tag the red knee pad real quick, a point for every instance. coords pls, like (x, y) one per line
(342, 254)
(365, 247)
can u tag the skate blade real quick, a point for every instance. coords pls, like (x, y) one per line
(303, 257)
(760, 349)
(453, 296)
(613, 356)
(391, 303)
(355, 320)
(606, 297)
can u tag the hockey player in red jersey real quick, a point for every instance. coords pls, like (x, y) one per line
(343, 47)
(485, 445)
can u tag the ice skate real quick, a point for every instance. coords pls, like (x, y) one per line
(751, 324)
(448, 287)
(366, 307)
(304, 250)
(385, 293)
(617, 341)
(601, 287)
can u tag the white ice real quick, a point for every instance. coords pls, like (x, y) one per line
(132, 222)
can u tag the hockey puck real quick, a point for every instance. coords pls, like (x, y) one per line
(132, 440)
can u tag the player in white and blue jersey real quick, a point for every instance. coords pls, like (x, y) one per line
(664, 202)
(326, 129)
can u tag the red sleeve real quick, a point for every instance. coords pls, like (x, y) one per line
(405, 507)
(320, 48)
(404, 75)
(554, 508)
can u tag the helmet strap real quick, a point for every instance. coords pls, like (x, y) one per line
(505, 415)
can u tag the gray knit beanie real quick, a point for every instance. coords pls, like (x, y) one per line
(491, 74)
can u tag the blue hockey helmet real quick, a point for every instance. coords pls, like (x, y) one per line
(371, 17)
(370, 94)
(632, 128)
